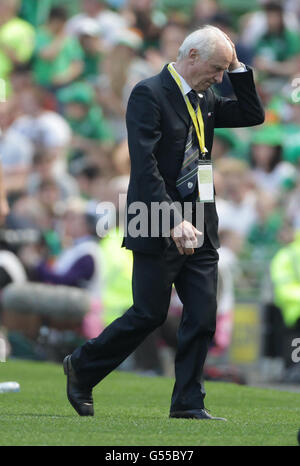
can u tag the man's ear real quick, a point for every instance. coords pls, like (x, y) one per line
(193, 55)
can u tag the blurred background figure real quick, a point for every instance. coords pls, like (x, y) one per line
(286, 310)
(118, 78)
(58, 59)
(91, 133)
(254, 24)
(93, 49)
(17, 39)
(10, 267)
(143, 16)
(269, 171)
(44, 128)
(4, 208)
(108, 21)
(236, 199)
(172, 36)
(277, 50)
(78, 265)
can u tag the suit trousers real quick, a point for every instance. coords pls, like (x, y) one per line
(195, 280)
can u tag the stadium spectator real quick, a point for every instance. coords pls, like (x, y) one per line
(58, 58)
(293, 206)
(144, 17)
(46, 129)
(119, 77)
(29, 212)
(291, 125)
(203, 11)
(89, 180)
(4, 207)
(120, 160)
(229, 142)
(16, 157)
(16, 40)
(91, 132)
(109, 22)
(277, 51)
(93, 49)
(231, 245)
(269, 172)
(263, 239)
(78, 265)
(254, 25)
(43, 169)
(284, 269)
(236, 196)
(171, 37)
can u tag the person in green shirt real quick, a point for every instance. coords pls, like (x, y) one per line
(90, 40)
(91, 133)
(285, 109)
(277, 50)
(263, 239)
(58, 58)
(36, 12)
(16, 40)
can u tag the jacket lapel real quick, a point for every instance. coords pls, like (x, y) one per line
(175, 96)
(177, 102)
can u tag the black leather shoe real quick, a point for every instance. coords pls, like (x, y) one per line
(80, 397)
(195, 414)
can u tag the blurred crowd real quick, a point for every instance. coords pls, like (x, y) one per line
(66, 76)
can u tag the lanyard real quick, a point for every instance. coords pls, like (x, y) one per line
(196, 119)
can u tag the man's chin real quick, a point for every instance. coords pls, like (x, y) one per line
(203, 88)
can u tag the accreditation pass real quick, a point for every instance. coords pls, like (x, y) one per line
(205, 181)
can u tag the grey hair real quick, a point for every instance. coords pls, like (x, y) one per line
(204, 40)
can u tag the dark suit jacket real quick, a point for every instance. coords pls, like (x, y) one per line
(157, 123)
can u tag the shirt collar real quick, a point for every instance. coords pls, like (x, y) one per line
(185, 86)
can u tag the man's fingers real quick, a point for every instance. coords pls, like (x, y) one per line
(228, 38)
(186, 238)
(184, 248)
(197, 232)
(179, 247)
(188, 251)
(190, 242)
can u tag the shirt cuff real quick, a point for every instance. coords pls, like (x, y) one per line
(240, 69)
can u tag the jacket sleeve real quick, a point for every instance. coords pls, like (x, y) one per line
(245, 110)
(143, 122)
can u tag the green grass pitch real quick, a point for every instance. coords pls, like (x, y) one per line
(133, 410)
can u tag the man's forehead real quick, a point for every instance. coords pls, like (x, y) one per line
(222, 57)
(224, 64)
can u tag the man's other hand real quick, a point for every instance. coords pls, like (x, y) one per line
(185, 236)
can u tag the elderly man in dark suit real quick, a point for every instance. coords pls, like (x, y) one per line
(170, 120)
